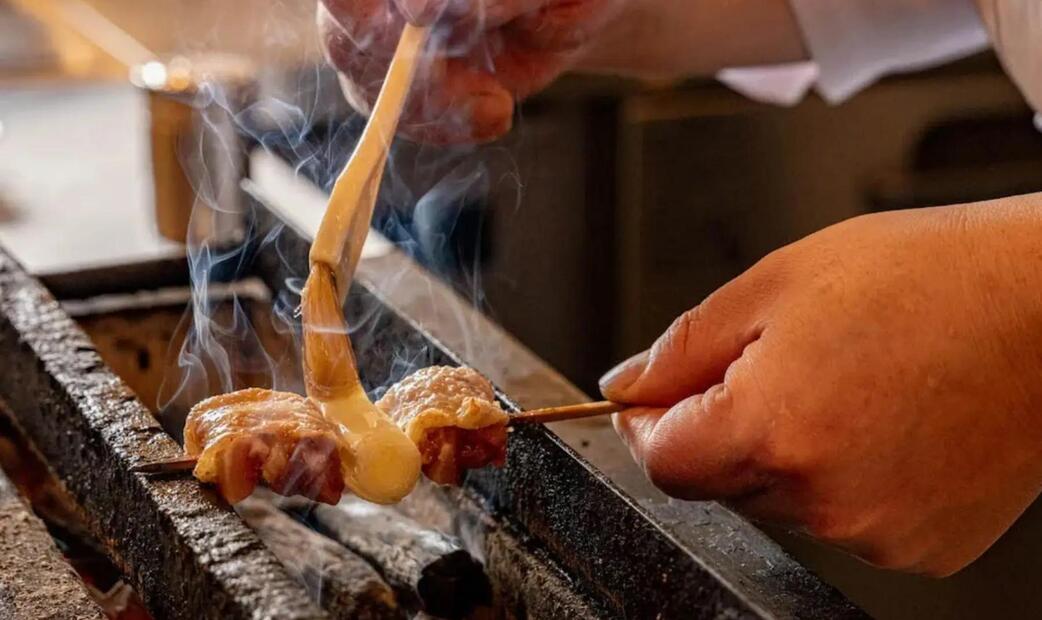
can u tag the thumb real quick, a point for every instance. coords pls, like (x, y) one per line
(704, 447)
(694, 353)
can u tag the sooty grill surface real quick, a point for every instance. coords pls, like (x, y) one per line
(35, 581)
(422, 557)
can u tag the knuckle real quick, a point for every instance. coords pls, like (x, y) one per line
(680, 332)
(718, 401)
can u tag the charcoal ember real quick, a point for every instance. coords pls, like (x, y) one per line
(430, 570)
(337, 579)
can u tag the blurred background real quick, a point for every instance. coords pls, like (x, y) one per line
(613, 207)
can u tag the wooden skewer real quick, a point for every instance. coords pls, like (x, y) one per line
(566, 412)
(177, 465)
(535, 416)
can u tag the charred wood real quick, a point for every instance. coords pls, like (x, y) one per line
(430, 570)
(340, 581)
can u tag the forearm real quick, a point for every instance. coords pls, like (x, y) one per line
(680, 38)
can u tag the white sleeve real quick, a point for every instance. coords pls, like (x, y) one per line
(853, 43)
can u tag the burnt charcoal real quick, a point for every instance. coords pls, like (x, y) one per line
(343, 583)
(526, 581)
(430, 570)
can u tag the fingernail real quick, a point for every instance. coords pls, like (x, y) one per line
(617, 380)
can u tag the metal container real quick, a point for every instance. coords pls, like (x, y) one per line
(197, 146)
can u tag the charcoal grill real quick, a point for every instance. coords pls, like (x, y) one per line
(558, 538)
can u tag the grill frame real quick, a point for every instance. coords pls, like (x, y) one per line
(622, 558)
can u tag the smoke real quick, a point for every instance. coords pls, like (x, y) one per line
(433, 205)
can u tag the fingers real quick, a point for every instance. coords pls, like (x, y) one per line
(487, 54)
(706, 446)
(561, 26)
(522, 71)
(698, 347)
(484, 15)
(359, 52)
(368, 26)
(457, 103)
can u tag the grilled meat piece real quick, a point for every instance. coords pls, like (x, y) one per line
(249, 435)
(452, 416)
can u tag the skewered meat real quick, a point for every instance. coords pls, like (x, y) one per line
(245, 436)
(300, 447)
(452, 416)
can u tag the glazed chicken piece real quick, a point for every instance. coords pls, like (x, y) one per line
(452, 416)
(288, 441)
(255, 434)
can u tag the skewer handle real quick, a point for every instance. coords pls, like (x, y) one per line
(568, 412)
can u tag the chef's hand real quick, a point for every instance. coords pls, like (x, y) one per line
(488, 53)
(877, 385)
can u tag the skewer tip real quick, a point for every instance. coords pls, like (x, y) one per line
(167, 467)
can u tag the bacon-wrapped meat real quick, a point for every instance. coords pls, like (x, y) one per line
(283, 438)
(452, 416)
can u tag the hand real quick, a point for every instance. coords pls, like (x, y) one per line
(487, 54)
(877, 385)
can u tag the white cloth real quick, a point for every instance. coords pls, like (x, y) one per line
(853, 43)
(1016, 33)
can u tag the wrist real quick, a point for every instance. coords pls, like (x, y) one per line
(1004, 237)
(685, 38)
